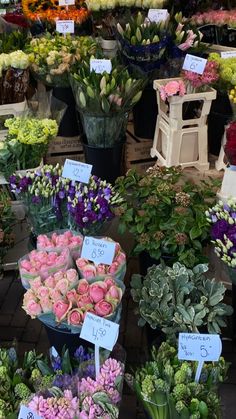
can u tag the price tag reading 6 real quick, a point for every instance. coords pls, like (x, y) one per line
(194, 64)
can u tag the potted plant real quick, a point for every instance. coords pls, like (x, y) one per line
(52, 58)
(178, 299)
(26, 143)
(167, 388)
(165, 213)
(6, 223)
(104, 101)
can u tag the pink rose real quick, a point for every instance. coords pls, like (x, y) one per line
(50, 282)
(72, 276)
(103, 308)
(114, 293)
(84, 302)
(25, 264)
(43, 292)
(29, 295)
(117, 248)
(109, 281)
(113, 268)
(97, 291)
(62, 285)
(75, 317)
(33, 309)
(101, 269)
(120, 258)
(46, 304)
(61, 308)
(55, 295)
(89, 271)
(83, 286)
(72, 296)
(36, 283)
(80, 263)
(58, 275)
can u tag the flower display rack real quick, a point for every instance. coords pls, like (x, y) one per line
(179, 141)
(11, 109)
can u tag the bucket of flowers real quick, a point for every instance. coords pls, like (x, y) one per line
(6, 223)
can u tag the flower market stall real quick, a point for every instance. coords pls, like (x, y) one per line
(117, 287)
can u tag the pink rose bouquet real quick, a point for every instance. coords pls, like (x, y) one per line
(57, 241)
(44, 295)
(43, 264)
(117, 269)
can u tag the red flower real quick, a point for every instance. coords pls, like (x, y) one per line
(230, 147)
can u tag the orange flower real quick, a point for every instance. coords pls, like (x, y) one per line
(35, 9)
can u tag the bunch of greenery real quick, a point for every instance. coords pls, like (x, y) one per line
(166, 387)
(13, 41)
(178, 299)
(165, 212)
(6, 222)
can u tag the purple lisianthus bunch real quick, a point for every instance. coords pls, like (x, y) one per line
(91, 204)
(223, 231)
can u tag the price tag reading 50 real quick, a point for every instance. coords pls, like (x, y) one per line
(98, 250)
(99, 331)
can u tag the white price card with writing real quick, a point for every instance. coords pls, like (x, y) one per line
(157, 15)
(194, 64)
(26, 413)
(100, 65)
(66, 2)
(99, 331)
(198, 346)
(98, 250)
(228, 54)
(65, 26)
(76, 170)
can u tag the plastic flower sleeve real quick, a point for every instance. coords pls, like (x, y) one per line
(74, 248)
(62, 263)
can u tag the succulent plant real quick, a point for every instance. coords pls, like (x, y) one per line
(178, 299)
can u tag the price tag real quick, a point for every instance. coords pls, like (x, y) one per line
(100, 66)
(198, 346)
(66, 2)
(99, 331)
(98, 250)
(65, 26)
(228, 54)
(3, 11)
(157, 15)
(194, 64)
(26, 413)
(76, 170)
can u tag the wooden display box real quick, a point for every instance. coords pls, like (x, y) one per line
(62, 148)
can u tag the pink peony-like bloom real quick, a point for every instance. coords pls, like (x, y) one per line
(55, 295)
(109, 282)
(89, 271)
(97, 291)
(43, 292)
(101, 269)
(50, 282)
(46, 304)
(84, 302)
(103, 308)
(29, 295)
(120, 258)
(113, 268)
(83, 286)
(114, 294)
(75, 317)
(80, 263)
(58, 275)
(36, 283)
(71, 276)
(61, 308)
(72, 296)
(62, 285)
(33, 308)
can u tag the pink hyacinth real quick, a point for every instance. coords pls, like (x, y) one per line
(65, 407)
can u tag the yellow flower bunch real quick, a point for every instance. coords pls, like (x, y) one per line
(32, 130)
(227, 70)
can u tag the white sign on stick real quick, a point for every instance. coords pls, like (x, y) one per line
(76, 170)
(65, 26)
(157, 15)
(98, 250)
(100, 65)
(99, 331)
(194, 64)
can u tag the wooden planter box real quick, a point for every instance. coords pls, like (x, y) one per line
(62, 148)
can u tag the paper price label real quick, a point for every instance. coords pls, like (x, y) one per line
(157, 15)
(199, 347)
(100, 66)
(65, 26)
(66, 2)
(98, 250)
(3, 11)
(194, 64)
(228, 54)
(99, 331)
(26, 413)
(76, 170)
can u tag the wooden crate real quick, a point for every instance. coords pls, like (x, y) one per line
(62, 148)
(137, 152)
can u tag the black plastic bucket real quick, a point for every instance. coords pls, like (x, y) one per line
(69, 126)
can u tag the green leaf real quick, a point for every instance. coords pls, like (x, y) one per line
(66, 364)
(194, 232)
(121, 228)
(44, 368)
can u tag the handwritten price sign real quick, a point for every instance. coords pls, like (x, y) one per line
(66, 2)
(157, 15)
(194, 64)
(76, 170)
(26, 413)
(100, 66)
(101, 332)
(65, 26)
(228, 54)
(98, 250)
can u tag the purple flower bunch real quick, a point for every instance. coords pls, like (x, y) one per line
(91, 205)
(223, 231)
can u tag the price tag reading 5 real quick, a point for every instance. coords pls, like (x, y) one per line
(99, 331)
(26, 413)
(194, 64)
(76, 170)
(98, 250)
(199, 347)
